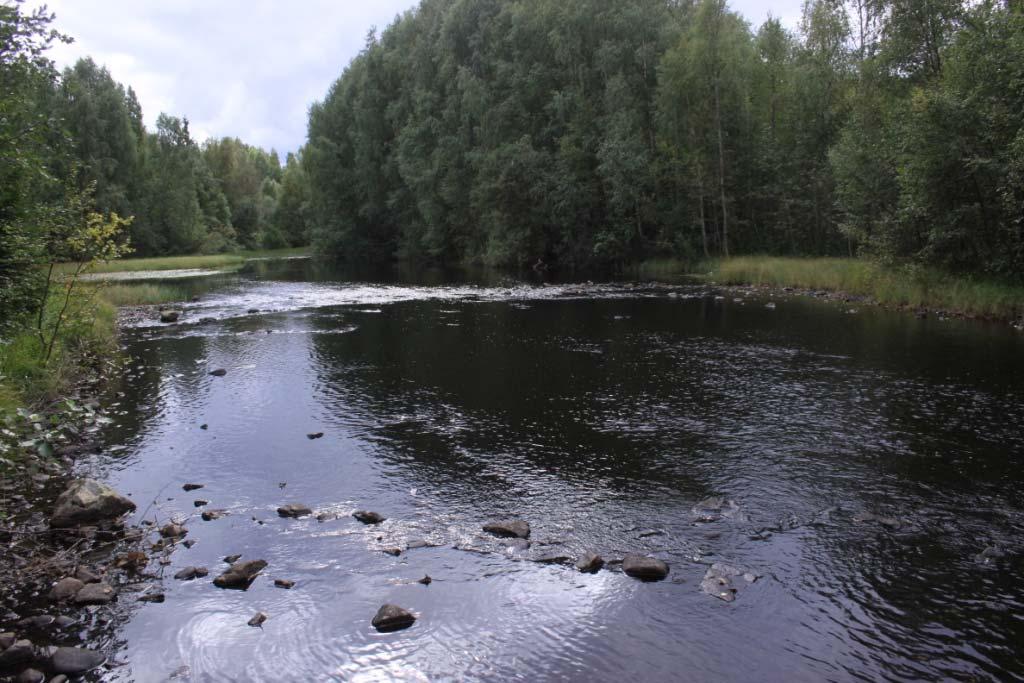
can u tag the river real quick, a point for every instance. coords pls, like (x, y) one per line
(868, 466)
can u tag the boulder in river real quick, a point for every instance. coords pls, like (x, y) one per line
(190, 573)
(173, 530)
(241, 575)
(169, 316)
(393, 618)
(294, 510)
(211, 515)
(200, 503)
(66, 588)
(75, 660)
(426, 580)
(590, 563)
(258, 619)
(368, 517)
(724, 581)
(219, 372)
(315, 435)
(86, 501)
(95, 594)
(284, 583)
(643, 567)
(231, 559)
(509, 528)
(192, 487)
(718, 507)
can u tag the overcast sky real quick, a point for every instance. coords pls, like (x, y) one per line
(244, 68)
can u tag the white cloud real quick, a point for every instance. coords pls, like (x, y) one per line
(245, 68)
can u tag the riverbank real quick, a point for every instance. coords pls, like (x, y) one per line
(920, 291)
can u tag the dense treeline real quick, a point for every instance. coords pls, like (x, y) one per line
(83, 180)
(594, 133)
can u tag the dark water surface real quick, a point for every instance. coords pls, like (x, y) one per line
(600, 414)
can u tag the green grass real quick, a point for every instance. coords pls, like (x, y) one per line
(205, 262)
(914, 288)
(143, 294)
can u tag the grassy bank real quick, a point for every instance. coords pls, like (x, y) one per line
(892, 287)
(205, 262)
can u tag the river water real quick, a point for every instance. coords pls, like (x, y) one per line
(868, 465)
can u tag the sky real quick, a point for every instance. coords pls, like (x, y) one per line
(245, 68)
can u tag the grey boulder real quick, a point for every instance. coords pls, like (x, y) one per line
(75, 660)
(509, 528)
(294, 510)
(643, 567)
(241, 575)
(393, 618)
(87, 501)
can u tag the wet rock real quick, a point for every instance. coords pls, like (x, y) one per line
(520, 544)
(200, 503)
(30, 676)
(133, 561)
(252, 311)
(643, 567)
(284, 583)
(590, 563)
(189, 543)
(192, 487)
(294, 510)
(204, 427)
(990, 555)
(152, 597)
(169, 316)
(86, 575)
(723, 581)
(86, 501)
(231, 559)
(75, 660)
(893, 523)
(66, 588)
(95, 594)
(173, 530)
(553, 559)
(326, 517)
(241, 575)
(64, 621)
(316, 435)
(393, 618)
(190, 573)
(258, 619)
(211, 515)
(510, 528)
(394, 552)
(37, 622)
(6, 640)
(717, 507)
(419, 543)
(368, 517)
(59, 679)
(220, 372)
(426, 580)
(19, 652)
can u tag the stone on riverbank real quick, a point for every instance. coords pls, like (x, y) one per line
(75, 660)
(65, 589)
(95, 594)
(369, 517)
(20, 652)
(509, 528)
(294, 510)
(86, 501)
(30, 676)
(393, 618)
(241, 575)
(645, 568)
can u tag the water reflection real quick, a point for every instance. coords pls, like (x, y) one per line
(602, 414)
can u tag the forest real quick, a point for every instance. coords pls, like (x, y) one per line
(594, 133)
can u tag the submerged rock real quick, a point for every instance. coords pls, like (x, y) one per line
(86, 501)
(643, 567)
(66, 588)
(369, 517)
(294, 510)
(152, 597)
(75, 660)
(990, 555)
(219, 372)
(590, 563)
(393, 618)
(724, 581)
(717, 507)
(509, 528)
(241, 575)
(95, 594)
